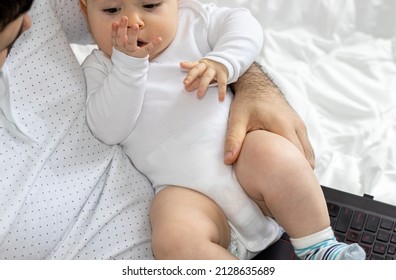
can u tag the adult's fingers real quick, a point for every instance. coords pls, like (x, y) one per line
(306, 146)
(236, 132)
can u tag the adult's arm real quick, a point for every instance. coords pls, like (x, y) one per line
(63, 193)
(72, 20)
(259, 104)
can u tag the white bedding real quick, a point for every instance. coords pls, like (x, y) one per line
(335, 62)
(65, 195)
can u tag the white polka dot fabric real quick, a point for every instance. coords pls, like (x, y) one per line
(63, 194)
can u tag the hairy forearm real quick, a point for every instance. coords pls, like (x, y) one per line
(258, 85)
(260, 105)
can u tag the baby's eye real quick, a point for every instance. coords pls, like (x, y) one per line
(151, 6)
(111, 10)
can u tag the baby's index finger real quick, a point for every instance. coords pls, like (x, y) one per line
(114, 28)
(195, 72)
(187, 65)
(124, 21)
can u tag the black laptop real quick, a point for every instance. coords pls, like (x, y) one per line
(355, 219)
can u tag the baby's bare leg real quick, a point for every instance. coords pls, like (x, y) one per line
(188, 225)
(278, 177)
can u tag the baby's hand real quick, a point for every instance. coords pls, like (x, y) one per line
(126, 40)
(202, 73)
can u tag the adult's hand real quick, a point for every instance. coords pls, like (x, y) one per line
(259, 105)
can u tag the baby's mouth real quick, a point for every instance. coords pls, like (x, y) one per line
(141, 43)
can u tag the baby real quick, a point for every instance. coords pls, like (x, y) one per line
(152, 55)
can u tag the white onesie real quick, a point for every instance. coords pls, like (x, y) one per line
(171, 136)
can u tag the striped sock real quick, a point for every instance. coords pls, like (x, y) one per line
(323, 246)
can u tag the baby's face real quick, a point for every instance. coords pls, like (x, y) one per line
(156, 18)
(10, 33)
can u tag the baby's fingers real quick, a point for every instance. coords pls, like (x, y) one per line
(222, 85)
(202, 74)
(196, 70)
(148, 49)
(206, 80)
(188, 85)
(114, 30)
(121, 37)
(132, 37)
(188, 65)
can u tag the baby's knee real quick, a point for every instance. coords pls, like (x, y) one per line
(267, 149)
(185, 223)
(267, 159)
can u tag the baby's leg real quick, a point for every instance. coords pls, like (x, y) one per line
(278, 177)
(275, 174)
(188, 225)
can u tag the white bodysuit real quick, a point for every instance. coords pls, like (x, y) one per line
(171, 136)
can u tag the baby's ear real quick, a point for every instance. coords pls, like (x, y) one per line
(83, 7)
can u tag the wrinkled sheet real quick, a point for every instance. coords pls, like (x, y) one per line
(335, 62)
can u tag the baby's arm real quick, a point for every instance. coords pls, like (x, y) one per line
(235, 38)
(115, 94)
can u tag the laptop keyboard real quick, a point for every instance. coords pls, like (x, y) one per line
(354, 219)
(374, 233)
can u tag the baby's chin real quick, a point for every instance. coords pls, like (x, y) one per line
(154, 55)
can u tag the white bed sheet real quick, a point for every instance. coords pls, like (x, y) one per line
(335, 62)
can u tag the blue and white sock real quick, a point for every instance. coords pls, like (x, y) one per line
(324, 246)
